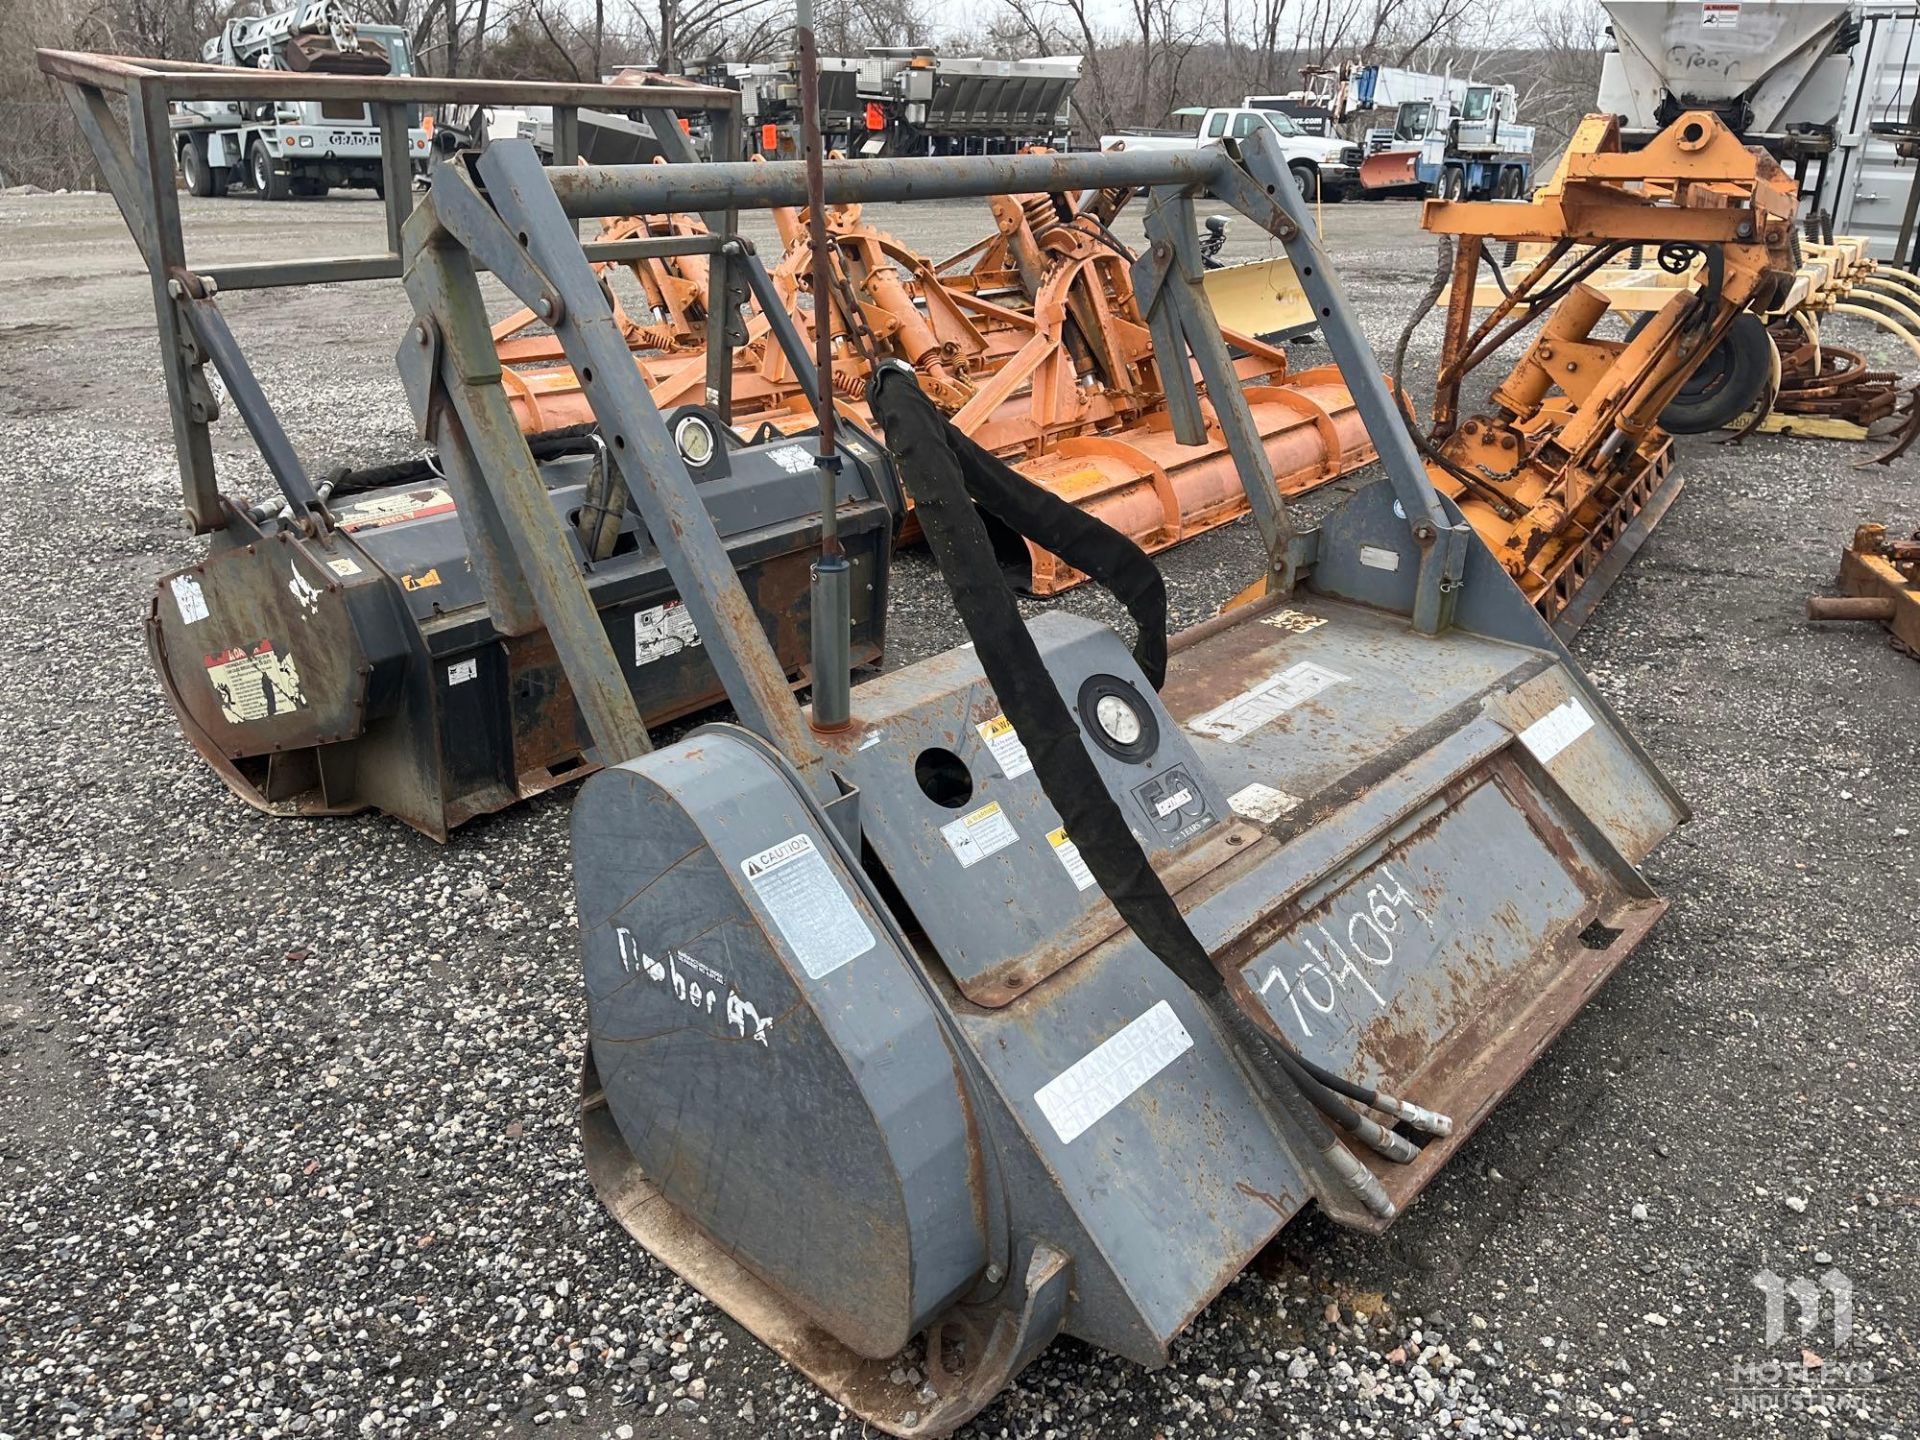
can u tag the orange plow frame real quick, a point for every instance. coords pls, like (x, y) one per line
(1567, 472)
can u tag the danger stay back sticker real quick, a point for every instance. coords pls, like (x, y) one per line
(254, 683)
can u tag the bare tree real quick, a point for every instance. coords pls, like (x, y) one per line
(1250, 34)
(1066, 27)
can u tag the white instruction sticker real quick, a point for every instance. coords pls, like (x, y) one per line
(1070, 859)
(462, 671)
(792, 458)
(1557, 729)
(187, 595)
(1379, 558)
(1297, 622)
(975, 836)
(1261, 803)
(809, 907)
(1720, 14)
(662, 631)
(1076, 1099)
(341, 565)
(998, 736)
(254, 683)
(1265, 702)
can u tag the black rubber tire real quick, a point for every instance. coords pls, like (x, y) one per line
(1725, 384)
(1307, 180)
(199, 174)
(1511, 183)
(1453, 183)
(268, 183)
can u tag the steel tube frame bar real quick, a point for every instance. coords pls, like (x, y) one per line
(596, 190)
(139, 171)
(193, 80)
(349, 269)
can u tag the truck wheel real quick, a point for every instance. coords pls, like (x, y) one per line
(1306, 180)
(1453, 183)
(1725, 384)
(268, 183)
(200, 175)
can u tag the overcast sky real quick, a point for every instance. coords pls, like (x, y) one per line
(1501, 15)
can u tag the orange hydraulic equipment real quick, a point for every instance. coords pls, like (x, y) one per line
(1570, 467)
(1032, 340)
(1880, 578)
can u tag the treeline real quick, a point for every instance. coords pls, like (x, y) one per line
(1141, 59)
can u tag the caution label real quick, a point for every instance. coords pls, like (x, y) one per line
(808, 906)
(255, 683)
(1720, 14)
(1004, 745)
(1070, 859)
(375, 512)
(974, 837)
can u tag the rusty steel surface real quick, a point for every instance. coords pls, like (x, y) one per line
(1573, 452)
(1032, 339)
(1880, 578)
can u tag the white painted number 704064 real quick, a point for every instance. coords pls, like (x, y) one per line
(1369, 929)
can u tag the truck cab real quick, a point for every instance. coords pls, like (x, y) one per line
(1321, 166)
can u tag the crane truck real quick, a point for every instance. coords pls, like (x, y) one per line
(283, 149)
(1461, 143)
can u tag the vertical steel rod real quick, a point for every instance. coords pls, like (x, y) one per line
(832, 576)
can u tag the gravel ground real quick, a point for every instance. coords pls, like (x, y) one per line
(285, 1108)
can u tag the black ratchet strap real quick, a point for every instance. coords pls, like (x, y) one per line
(1085, 542)
(932, 470)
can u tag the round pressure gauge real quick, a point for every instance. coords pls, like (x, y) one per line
(1118, 718)
(694, 437)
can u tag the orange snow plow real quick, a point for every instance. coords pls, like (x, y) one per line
(1390, 169)
(1031, 340)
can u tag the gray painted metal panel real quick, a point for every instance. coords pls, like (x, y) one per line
(1869, 186)
(751, 1019)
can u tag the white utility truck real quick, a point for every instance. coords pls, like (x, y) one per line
(1322, 166)
(300, 147)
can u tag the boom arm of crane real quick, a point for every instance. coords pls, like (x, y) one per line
(268, 42)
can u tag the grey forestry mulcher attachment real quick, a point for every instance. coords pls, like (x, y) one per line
(1031, 988)
(341, 645)
(1028, 990)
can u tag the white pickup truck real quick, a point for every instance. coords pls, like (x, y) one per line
(1320, 165)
